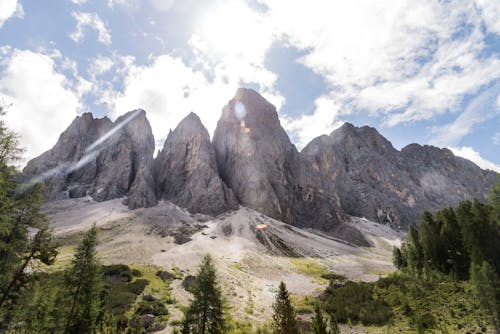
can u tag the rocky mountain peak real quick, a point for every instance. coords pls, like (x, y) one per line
(376, 181)
(259, 163)
(113, 158)
(362, 138)
(186, 171)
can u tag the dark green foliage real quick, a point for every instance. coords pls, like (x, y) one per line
(450, 240)
(119, 297)
(205, 315)
(19, 214)
(487, 289)
(83, 287)
(357, 302)
(43, 306)
(334, 327)
(318, 324)
(428, 306)
(495, 203)
(151, 306)
(284, 318)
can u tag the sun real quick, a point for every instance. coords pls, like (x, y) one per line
(232, 29)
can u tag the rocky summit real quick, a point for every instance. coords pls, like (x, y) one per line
(186, 171)
(376, 181)
(251, 161)
(266, 172)
(87, 161)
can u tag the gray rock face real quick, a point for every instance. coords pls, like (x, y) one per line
(119, 166)
(259, 163)
(186, 171)
(374, 180)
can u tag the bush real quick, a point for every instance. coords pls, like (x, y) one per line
(355, 302)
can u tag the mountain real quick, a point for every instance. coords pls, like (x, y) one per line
(266, 172)
(186, 171)
(251, 161)
(376, 181)
(120, 165)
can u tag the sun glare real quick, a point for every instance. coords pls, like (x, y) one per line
(232, 29)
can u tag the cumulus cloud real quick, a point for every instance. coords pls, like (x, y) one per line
(227, 50)
(79, 2)
(323, 121)
(469, 153)
(41, 105)
(169, 90)
(85, 21)
(401, 59)
(491, 14)
(9, 8)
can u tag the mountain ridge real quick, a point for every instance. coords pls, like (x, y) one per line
(251, 161)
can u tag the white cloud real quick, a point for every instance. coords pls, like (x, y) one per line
(162, 5)
(323, 121)
(7, 9)
(491, 14)
(100, 66)
(86, 21)
(231, 41)
(79, 2)
(112, 3)
(168, 90)
(227, 50)
(405, 60)
(469, 153)
(479, 110)
(41, 104)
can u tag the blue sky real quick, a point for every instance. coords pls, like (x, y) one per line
(419, 71)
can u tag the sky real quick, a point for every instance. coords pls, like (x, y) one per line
(419, 71)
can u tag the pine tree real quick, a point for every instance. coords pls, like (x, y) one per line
(206, 312)
(284, 318)
(83, 286)
(495, 203)
(318, 324)
(486, 285)
(19, 214)
(414, 256)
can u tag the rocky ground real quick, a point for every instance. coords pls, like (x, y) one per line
(253, 252)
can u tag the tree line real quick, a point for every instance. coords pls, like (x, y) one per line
(462, 243)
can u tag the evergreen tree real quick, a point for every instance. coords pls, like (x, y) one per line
(20, 217)
(414, 256)
(284, 318)
(495, 204)
(486, 286)
(398, 259)
(318, 324)
(206, 312)
(457, 257)
(83, 286)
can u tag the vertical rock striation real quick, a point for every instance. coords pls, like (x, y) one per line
(186, 171)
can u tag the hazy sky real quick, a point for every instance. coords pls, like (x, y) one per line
(419, 71)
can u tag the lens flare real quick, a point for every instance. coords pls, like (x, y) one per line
(239, 110)
(91, 153)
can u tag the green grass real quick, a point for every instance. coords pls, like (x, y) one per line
(303, 304)
(310, 267)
